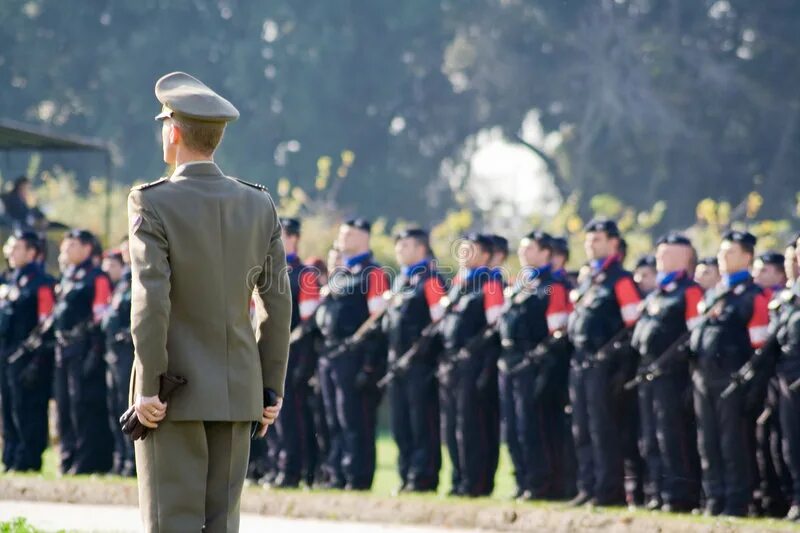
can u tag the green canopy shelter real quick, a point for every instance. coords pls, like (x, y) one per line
(18, 137)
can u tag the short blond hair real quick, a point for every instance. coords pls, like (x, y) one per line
(203, 137)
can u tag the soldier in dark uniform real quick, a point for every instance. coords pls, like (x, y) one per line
(667, 433)
(736, 323)
(10, 438)
(773, 480)
(644, 274)
(537, 308)
(413, 395)
(476, 302)
(84, 294)
(786, 325)
(119, 357)
(30, 364)
(351, 398)
(706, 273)
(557, 387)
(606, 303)
(294, 427)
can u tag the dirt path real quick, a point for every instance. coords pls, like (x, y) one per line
(430, 511)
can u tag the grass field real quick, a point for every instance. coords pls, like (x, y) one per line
(387, 482)
(386, 478)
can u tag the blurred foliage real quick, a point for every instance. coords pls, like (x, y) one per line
(61, 199)
(655, 101)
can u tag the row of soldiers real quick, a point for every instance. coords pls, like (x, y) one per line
(68, 339)
(673, 386)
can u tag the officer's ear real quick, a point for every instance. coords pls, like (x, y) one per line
(175, 133)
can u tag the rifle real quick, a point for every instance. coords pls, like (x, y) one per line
(40, 336)
(302, 330)
(674, 352)
(402, 363)
(364, 332)
(749, 370)
(538, 354)
(656, 369)
(614, 344)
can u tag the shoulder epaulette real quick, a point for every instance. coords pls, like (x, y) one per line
(253, 185)
(144, 186)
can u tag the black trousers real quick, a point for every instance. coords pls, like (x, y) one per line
(477, 426)
(80, 391)
(10, 437)
(595, 432)
(722, 439)
(509, 429)
(354, 412)
(295, 429)
(414, 419)
(789, 409)
(669, 439)
(29, 385)
(119, 364)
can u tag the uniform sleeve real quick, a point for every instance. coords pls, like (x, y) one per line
(434, 292)
(758, 327)
(377, 284)
(558, 308)
(45, 302)
(150, 288)
(308, 299)
(628, 299)
(693, 297)
(493, 300)
(273, 311)
(102, 297)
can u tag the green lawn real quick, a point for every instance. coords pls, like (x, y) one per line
(386, 478)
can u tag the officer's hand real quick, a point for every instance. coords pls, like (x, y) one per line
(269, 415)
(149, 410)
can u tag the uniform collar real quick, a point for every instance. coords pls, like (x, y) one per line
(351, 262)
(667, 280)
(198, 169)
(417, 268)
(731, 280)
(292, 258)
(27, 270)
(561, 273)
(601, 265)
(496, 274)
(474, 273)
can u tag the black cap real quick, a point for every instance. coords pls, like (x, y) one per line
(543, 239)
(708, 261)
(602, 224)
(772, 258)
(481, 239)
(499, 244)
(83, 235)
(31, 238)
(115, 255)
(560, 245)
(674, 237)
(291, 225)
(412, 233)
(359, 223)
(646, 261)
(743, 238)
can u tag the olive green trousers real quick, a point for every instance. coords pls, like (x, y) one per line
(191, 476)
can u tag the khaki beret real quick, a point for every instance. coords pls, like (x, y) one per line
(184, 96)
